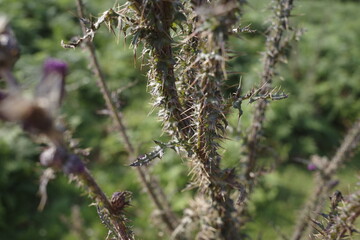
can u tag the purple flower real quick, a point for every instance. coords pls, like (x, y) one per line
(52, 65)
(311, 167)
(51, 89)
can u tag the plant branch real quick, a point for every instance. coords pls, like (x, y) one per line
(212, 24)
(37, 120)
(339, 222)
(117, 221)
(150, 183)
(274, 48)
(324, 179)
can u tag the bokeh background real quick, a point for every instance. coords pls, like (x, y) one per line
(322, 78)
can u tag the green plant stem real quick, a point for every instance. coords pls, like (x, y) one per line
(150, 183)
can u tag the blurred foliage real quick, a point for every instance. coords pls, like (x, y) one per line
(322, 78)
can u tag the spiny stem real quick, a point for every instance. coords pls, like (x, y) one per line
(211, 30)
(158, 17)
(338, 223)
(324, 177)
(272, 54)
(87, 180)
(102, 84)
(349, 143)
(151, 184)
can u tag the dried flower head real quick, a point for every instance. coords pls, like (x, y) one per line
(120, 200)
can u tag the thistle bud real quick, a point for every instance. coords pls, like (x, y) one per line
(53, 157)
(50, 91)
(73, 165)
(119, 200)
(311, 167)
(52, 65)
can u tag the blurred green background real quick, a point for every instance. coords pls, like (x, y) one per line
(322, 77)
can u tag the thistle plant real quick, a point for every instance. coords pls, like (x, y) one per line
(149, 182)
(277, 41)
(185, 47)
(37, 116)
(195, 121)
(186, 84)
(339, 222)
(214, 22)
(279, 36)
(324, 178)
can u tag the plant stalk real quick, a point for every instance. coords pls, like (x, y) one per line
(150, 183)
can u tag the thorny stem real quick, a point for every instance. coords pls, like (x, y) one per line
(351, 220)
(36, 119)
(154, 20)
(348, 145)
(219, 222)
(151, 184)
(101, 199)
(315, 200)
(102, 84)
(339, 222)
(161, 75)
(273, 50)
(272, 54)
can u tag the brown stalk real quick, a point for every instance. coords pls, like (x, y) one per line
(272, 54)
(338, 223)
(175, 116)
(178, 121)
(218, 221)
(324, 178)
(150, 183)
(274, 47)
(37, 120)
(117, 222)
(154, 21)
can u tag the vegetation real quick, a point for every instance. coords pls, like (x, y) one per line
(239, 157)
